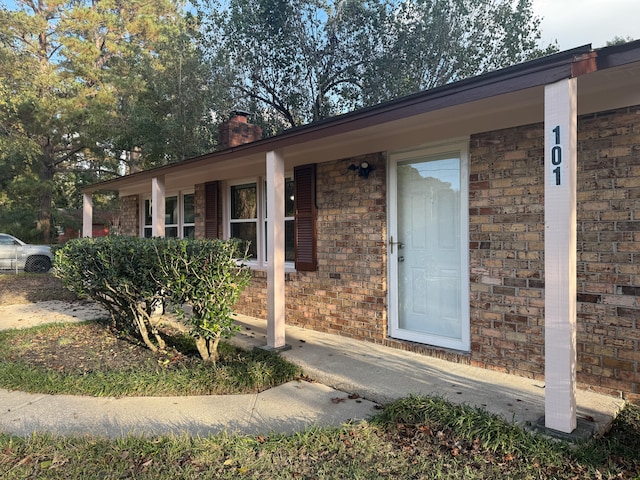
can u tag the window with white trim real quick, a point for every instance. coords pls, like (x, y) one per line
(188, 215)
(289, 220)
(171, 217)
(179, 216)
(248, 218)
(147, 219)
(243, 220)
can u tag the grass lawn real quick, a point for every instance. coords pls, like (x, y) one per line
(413, 438)
(90, 359)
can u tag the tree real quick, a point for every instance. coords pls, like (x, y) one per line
(619, 40)
(169, 117)
(301, 61)
(435, 42)
(84, 81)
(132, 277)
(291, 61)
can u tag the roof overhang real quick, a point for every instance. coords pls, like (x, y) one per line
(607, 79)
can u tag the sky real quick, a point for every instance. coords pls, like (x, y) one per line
(574, 23)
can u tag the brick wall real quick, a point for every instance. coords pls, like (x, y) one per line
(507, 243)
(347, 295)
(130, 218)
(609, 251)
(198, 207)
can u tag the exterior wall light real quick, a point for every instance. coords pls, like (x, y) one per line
(363, 169)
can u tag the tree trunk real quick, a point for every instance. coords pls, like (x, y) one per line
(138, 314)
(148, 314)
(201, 345)
(208, 348)
(213, 348)
(142, 329)
(45, 199)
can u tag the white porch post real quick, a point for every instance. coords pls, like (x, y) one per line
(157, 207)
(560, 123)
(87, 215)
(275, 251)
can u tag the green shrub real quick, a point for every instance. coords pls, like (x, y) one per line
(132, 277)
(207, 277)
(120, 273)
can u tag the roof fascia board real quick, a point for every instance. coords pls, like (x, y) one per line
(618, 55)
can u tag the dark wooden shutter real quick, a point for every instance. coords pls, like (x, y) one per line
(211, 210)
(305, 220)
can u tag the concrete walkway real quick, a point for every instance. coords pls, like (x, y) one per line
(383, 374)
(288, 408)
(351, 379)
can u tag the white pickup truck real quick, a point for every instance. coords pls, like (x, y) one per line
(17, 255)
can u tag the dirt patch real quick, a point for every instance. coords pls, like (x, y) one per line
(79, 348)
(25, 315)
(27, 300)
(85, 348)
(24, 288)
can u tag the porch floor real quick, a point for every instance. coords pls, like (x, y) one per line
(383, 374)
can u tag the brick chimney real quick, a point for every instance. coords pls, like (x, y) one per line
(237, 131)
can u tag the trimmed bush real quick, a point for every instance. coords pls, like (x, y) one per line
(120, 273)
(133, 277)
(207, 276)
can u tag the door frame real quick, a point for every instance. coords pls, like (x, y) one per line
(458, 147)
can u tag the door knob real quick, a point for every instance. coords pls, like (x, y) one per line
(392, 243)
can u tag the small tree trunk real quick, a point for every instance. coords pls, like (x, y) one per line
(46, 194)
(149, 312)
(161, 343)
(138, 317)
(213, 348)
(208, 348)
(142, 330)
(201, 345)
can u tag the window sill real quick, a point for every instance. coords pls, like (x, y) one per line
(264, 268)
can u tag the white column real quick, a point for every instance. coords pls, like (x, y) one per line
(87, 215)
(275, 251)
(560, 123)
(157, 207)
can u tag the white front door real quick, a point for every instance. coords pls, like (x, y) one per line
(428, 247)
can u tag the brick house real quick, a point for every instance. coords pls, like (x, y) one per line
(494, 221)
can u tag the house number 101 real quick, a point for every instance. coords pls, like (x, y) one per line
(556, 155)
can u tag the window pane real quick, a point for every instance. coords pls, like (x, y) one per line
(189, 210)
(171, 211)
(171, 232)
(189, 232)
(147, 232)
(247, 233)
(289, 239)
(147, 212)
(288, 198)
(244, 201)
